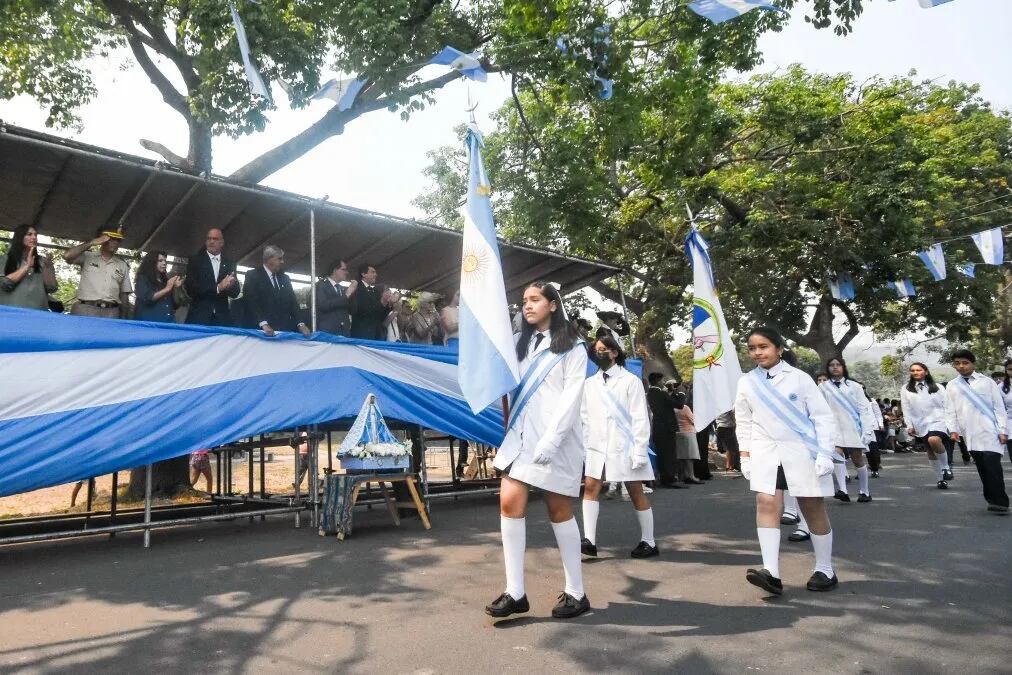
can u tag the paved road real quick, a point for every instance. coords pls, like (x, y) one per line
(924, 589)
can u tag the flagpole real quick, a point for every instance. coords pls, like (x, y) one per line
(505, 412)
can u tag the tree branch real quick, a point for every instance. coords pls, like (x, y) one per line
(523, 118)
(170, 95)
(853, 329)
(634, 305)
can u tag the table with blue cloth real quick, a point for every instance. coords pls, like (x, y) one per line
(341, 490)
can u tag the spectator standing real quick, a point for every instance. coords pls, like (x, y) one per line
(200, 465)
(154, 289)
(686, 444)
(270, 298)
(369, 306)
(424, 325)
(727, 440)
(663, 428)
(105, 287)
(28, 276)
(333, 301)
(210, 282)
(450, 319)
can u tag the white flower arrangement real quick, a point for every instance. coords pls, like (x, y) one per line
(367, 450)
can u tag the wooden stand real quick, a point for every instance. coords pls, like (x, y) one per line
(341, 492)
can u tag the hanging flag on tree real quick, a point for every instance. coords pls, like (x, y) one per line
(488, 367)
(256, 83)
(714, 358)
(467, 64)
(934, 259)
(928, 4)
(841, 286)
(967, 270)
(904, 288)
(991, 245)
(719, 11)
(343, 92)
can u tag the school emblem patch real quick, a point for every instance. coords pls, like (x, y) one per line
(708, 347)
(793, 397)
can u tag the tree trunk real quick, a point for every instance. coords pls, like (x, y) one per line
(820, 331)
(168, 478)
(199, 154)
(655, 354)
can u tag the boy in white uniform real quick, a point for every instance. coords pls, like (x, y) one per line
(786, 433)
(855, 426)
(616, 431)
(975, 411)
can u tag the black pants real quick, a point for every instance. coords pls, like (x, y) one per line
(874, 455)
(991, 477)
(667, 464)
(728, 442)
(462, 457)
(702, 465)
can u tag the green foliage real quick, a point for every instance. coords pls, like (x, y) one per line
(683, 358)
(808, 360)
(877, 382)
(891, 366)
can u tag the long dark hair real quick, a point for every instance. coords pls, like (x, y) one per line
(774, 336)
(16, 253)
(1007, 383)
(148, 269)
(846, 374)
(609, 342)
(564, 335)
(932, 387)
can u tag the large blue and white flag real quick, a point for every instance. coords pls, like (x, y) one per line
(841, 286)
(714, 358)
(81, 399)
(934, 260)
(719, 11)
(342, 92)
(256, 82)
(991, 245)
(467, 64)
(904, 288)
(488, 360)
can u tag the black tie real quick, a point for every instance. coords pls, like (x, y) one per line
(920, 385)
(837, 383)
(274, 280)
(769, 376)
(967, 380)
(606, 376)
(537, 340)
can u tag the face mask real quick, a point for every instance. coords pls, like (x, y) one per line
(603, 360)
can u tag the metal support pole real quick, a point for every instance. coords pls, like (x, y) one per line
(113, 502)
(330, 454)
(625, 314)
(91, 497)
(298, 480)
(147, 506)
(314, 469)
(312, 276)
(137, 197)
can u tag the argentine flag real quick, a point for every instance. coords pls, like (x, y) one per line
(841, 287)
(934, 259)
(342, 92)
(719, 11)
(467, 64)
(488, 363)
(256, 82)
(715, 365)
(991, 245)
(904, 288)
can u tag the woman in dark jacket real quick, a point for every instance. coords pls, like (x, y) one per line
(154, 290)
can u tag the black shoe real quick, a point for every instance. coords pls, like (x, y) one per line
(570, 607)
(874, 474)
(586, 548)
(942, 485)
(693, 481)
(820, 582)
(947, 475)
(966, 459)
(505, 605)
(789, 519)
(842, 496)
(863, 498)
(798, 535)
(764, 580)
(997, 508)
(671, 486)
(644, 550)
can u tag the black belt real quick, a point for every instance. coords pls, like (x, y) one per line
(101, 304)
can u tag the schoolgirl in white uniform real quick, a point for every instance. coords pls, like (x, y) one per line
(786, 433)
(543, 448)
(923, 404)
(616, 432)
(1006, 393)
(855, 426)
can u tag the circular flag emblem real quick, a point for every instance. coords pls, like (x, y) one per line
(708, 347)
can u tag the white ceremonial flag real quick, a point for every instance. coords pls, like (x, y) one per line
(488, 367)
(256, 82)
(714, 359)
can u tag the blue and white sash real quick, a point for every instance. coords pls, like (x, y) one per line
(785, 411)
(975, 399)
(846, 403)
(622, 417)
(536, 373)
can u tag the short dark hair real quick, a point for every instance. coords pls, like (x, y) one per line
(654, 378)
(101, 229)
(363, 269)
(964, 354)
(609, 342)
(335, 265)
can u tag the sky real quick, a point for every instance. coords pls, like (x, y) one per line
(377, 163)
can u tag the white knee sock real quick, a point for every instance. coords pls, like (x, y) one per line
(840, 474)
(567, 536)
(802, 523)
(937, 466)
(769, 544)
(791, 505)
(822, 544)
(862, 478)
(590, 510)
(646, 519)
(514, 544)
(943, 459)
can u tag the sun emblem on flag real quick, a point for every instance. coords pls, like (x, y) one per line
(483, 189)
(708, 348)
(473, 265)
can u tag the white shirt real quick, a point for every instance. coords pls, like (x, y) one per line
(849, 435)
(1007, 396)
(963, 417)
(215, 263)
(608, 448)
(923, 410)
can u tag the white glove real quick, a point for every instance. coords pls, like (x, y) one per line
(542, 457)
(823, 466)
(638, 462)
(746, 467)
(868, 437)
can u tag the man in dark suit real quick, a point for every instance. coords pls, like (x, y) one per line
(269, 297)
(210, 282)
(663, 427)
(333, 301)
(367, 307)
